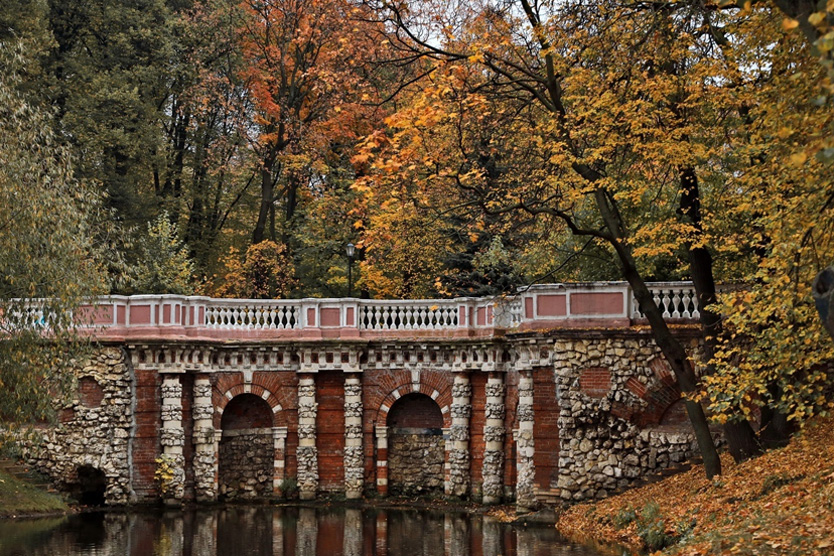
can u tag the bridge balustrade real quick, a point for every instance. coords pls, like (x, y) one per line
(588, 304)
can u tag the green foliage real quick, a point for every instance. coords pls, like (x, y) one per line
(490, 270)
(164, 265)
(19, 497)
(651, 528)
(625, 517)
(777, 481)
(289, 487)
(109, 74)
(46, 250)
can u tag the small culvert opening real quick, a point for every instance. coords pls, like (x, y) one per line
(91, 486)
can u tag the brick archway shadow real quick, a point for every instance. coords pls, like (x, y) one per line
(405, 389)
(222, 399)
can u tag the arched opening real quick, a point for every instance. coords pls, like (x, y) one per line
(415, 446)
(91, 486)
(246, 448)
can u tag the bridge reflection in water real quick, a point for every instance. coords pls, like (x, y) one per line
(283, 531)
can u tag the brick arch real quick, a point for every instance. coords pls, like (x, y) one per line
(660, 395)
(442, 400)
(222, 398)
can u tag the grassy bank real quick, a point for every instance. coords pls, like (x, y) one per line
(779, 503)
(20, 498)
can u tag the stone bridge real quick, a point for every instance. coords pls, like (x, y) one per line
(558, 393)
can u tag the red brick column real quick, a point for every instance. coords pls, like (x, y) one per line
(382, 460)
(279, 437)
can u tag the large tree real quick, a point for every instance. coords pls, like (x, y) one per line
(46, 246)
(634, 111)
(305, 65)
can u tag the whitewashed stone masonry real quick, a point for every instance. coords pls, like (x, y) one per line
(458, 458)
(525, 494)
(354, 457)
(493, 465)
(307, 454)
(172, 437)
(205, 456)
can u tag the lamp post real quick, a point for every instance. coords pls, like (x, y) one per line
(350, 250)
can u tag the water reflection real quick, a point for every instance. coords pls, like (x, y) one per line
(281, 531)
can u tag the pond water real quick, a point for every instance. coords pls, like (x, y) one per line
(284, 531)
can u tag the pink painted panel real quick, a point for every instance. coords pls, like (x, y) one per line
(201, 317)
(330, 316)
(462, 314)
(610, 303)
(481, 316)
(103, 314)
(121, 314)
(349, 317)
(528, 308)
(166, 314)
(553, 305)
(311, 317)
(489, 314)
(140, 314)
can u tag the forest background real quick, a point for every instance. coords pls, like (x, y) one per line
(235, 148)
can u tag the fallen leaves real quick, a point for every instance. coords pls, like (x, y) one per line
(779, 503)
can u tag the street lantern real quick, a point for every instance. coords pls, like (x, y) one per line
(350, 250)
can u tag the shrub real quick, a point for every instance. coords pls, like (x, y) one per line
(289, 487)
(651, 528)
(624, 517)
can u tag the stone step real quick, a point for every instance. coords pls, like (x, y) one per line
(23, 472)
(549, 497)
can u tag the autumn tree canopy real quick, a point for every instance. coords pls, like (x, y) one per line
(632, 124)
(236, 147)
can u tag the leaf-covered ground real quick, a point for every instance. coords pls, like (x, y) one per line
(779, 503)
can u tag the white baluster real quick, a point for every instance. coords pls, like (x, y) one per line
(675, 302)
(661, 306)
(686, 300)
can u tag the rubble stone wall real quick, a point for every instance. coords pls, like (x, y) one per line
(612, 394)
(246, 460)
(94, 430)
(569, 414)
(415, 464)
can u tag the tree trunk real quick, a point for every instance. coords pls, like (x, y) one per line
(267, 200)
(776, 429)
(741, 439)
(671, 348)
